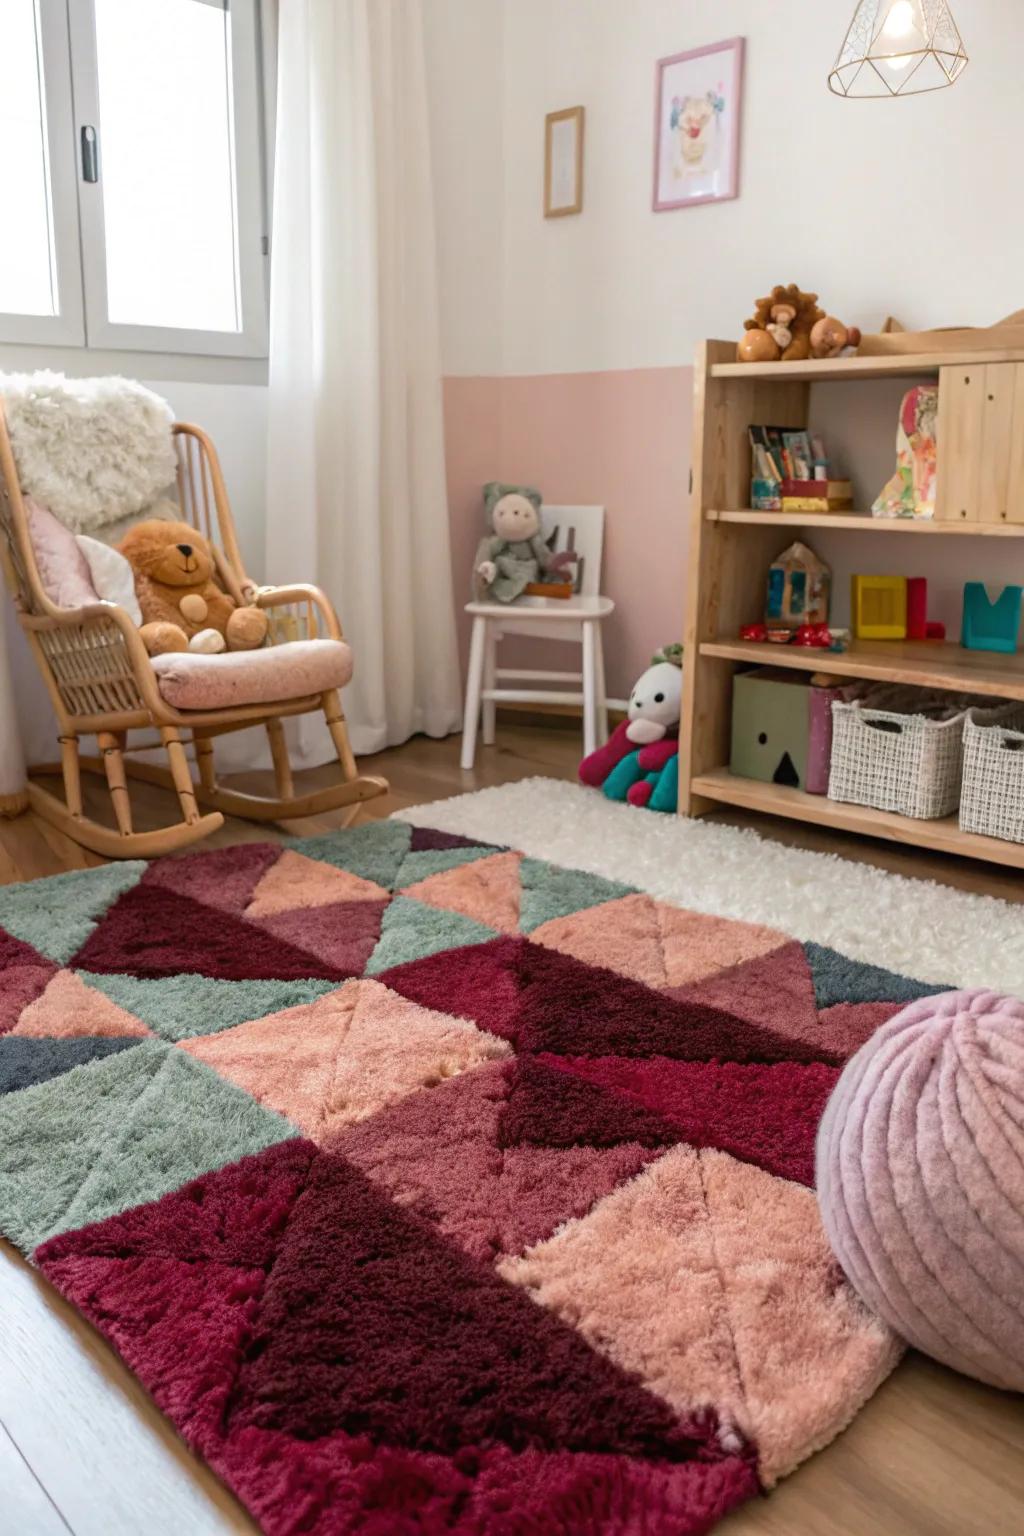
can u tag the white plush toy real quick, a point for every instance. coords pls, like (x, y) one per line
(655, 703)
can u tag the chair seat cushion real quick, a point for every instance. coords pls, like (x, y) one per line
(189, 680)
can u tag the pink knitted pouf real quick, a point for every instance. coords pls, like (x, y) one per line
(920, 1176)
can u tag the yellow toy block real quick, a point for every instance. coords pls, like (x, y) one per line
(878, 607)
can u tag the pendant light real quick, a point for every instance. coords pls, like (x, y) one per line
(897, 48)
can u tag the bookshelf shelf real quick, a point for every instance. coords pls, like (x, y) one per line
(721, 787)
(980, 493)
(863, 522)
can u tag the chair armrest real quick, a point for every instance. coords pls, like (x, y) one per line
(301, 595)
(101, 615)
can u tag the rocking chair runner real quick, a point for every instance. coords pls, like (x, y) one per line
(101, 682)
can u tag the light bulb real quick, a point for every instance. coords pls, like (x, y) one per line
(899, 24)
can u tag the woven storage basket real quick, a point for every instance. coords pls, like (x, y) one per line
(992, 801)
(901, 750)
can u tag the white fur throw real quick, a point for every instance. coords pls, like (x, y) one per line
(92, 450)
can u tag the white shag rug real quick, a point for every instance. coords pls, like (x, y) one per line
(916, 927)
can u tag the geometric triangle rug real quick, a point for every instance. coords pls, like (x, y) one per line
(428, 1187)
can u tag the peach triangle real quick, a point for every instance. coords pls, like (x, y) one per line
(621, 936)
(70, 1007)
(695, 945)
(294, 881)
(488, 890)
(331, 1063)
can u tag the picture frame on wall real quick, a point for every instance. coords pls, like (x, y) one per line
(698, 108)
(563, 162)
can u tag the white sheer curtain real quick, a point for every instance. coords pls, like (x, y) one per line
(356, 495)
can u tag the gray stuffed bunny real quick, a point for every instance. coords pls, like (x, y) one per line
(514, 554)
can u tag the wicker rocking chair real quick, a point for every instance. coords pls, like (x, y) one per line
(101, 682)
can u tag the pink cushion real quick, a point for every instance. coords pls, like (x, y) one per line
(188, 680)
(920, 1152)
(63, 569)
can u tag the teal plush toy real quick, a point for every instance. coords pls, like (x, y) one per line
(640, 761)
(513, 554)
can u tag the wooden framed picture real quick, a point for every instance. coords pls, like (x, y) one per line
(563, 162)
(698, 99)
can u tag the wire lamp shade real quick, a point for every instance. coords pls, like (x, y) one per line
(897, 48)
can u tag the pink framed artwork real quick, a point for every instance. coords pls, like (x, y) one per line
(698, 100)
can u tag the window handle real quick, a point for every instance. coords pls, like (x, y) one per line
(90, 153)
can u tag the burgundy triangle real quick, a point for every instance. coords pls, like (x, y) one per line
(235, 1215)
(765, 1114)
(342, 935)
(24, 975)
(179, 1325)
(373, 1324)
(773, 991)
(223, 877)
(549, 1108)
(429, 840)
(572, 1009)
(477, 982)
(153, 931)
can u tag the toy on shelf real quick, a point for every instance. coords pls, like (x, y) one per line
(788, 326)
(831, 338)
(514, 559)
(780, 327)
(988, 625)
(820, 637)
(911, 490)
(790, 472)
(919, 625)
(770, 727)
(798, 589)
(878, 607)
(639, 762)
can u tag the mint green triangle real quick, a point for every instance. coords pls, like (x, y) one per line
(58, 914)
(550, 891)
(412, 930)
(178, 1007)
(434, 861)
(119, 1132)
(374, 851)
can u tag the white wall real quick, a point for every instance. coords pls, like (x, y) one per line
(911, 207)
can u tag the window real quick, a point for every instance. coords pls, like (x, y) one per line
(136, 188)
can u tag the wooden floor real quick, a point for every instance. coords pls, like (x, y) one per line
(83, 1450)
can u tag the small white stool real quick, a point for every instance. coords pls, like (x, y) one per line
(549, 618)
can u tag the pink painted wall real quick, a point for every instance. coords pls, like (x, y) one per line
(619, 439)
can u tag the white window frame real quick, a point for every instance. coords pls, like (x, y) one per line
(67, 328)
(68, 36)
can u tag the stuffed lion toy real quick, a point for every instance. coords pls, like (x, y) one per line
(183, 608)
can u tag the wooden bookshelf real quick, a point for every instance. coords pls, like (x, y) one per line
(980, 494)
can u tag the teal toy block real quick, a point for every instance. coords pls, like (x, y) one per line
(987, 625)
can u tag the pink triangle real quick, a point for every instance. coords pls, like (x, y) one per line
(295, 881)
(488, 890)
(333, 1062)
(437, 1154)
(846, 1026)
(343, 934)
(70, 1007)
(774, 991)
(621, 936)
(695, 945)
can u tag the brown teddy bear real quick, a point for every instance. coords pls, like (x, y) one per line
(183, 608)
(780, 327)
